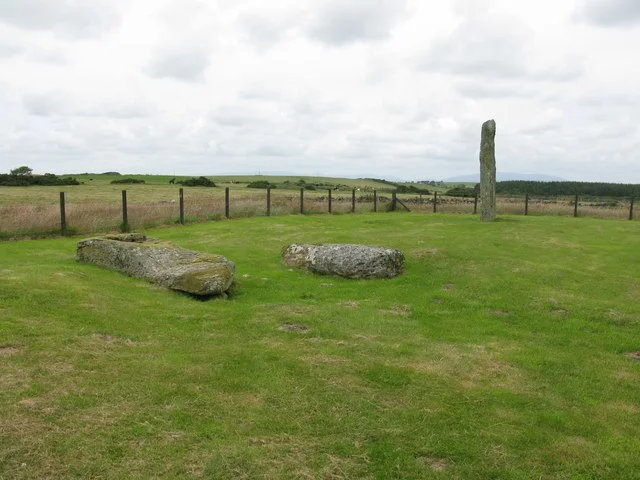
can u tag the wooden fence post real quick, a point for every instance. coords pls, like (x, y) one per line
(329, 200)
(631, 210)
(226, 202)
(181, 194)
(302, 201)
(63, 215)
(575, 206)
(353, 201)
(125, 215)
(475, 204)
(526, 204)
(435, 202)
(268, 202)
(394, 201)
(375, 200)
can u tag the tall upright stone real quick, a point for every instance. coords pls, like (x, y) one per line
(488, 172)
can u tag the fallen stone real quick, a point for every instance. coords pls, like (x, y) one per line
(345, 260)
(126, 237)
(197, 273)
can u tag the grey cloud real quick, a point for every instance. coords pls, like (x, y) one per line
(42, 105)
(276, 150)
(236, 116)
(71, 19)
(58, 104)
(337, 22)
(309, 106)
(185, 14)
(600, 98)
(48, 56)
(264, 30)
(261, 93)
(186, 62)
(491, 45)
(489, 58)
(497, 89)
(309, 103)
(120, 111)
(470, 8)
(609, 12)
(570, 69)
(10, 50)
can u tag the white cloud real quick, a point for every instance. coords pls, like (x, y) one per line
(382, 88)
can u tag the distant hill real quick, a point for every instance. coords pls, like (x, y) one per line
(505, 176)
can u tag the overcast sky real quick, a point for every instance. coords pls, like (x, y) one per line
(377, 88)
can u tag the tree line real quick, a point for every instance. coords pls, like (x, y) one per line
(596, 189)
(23, 177)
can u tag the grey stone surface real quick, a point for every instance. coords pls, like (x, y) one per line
(488, 172)
(173, 267)
(126, 237)
(345, 260)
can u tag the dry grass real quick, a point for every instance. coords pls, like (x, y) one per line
(470, 366)
(29, 210)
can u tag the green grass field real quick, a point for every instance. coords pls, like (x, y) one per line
(235, 180)
(501, 353)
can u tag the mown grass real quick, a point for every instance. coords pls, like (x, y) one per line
(500, 353)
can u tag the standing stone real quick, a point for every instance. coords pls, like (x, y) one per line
(488, 172)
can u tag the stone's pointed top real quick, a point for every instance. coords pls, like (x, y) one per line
(489, 126)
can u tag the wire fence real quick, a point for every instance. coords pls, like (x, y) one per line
(70, 214)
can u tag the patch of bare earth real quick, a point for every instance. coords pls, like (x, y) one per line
(437, 464)
(469, 365)
(320, 359)
(425, 253)
(112, 340)
(398, 310)
(634, 355)
(293, 327)
(289, 309)
(240, 399)
(361, 336)
(349, 304)
(501, 313)
(9, 350)
(37, 404)
(623, 407)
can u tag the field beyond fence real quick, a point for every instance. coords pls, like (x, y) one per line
(38, 211)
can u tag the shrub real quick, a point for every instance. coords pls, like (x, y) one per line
(125, 180)
(411, 189)
(47, 179)
(461, 192)
(261, 184)
(197, 182)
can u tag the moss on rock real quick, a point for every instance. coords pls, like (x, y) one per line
(197, 273)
